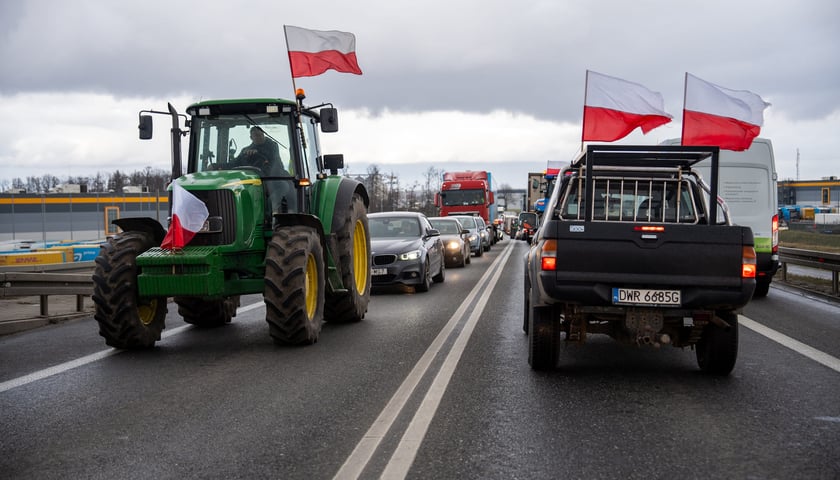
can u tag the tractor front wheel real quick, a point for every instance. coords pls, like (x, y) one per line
(125, 319)
(294, 286)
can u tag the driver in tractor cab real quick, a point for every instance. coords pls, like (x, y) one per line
(261, 153)
(264, 154)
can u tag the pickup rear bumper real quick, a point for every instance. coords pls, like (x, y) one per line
(600, 294)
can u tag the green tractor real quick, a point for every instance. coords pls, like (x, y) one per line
(288, 227)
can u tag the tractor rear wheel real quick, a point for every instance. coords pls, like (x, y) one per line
(125, 319)
(353, 244)
(207, 313)
(294, 285)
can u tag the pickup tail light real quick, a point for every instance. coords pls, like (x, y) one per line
(748, 263)
(548, 255)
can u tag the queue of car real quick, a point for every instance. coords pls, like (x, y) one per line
(411, 249)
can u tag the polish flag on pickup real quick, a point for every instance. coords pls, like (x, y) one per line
(714, 115)
(188, 216)
(553, 167)
(313, 52)
(613, 108)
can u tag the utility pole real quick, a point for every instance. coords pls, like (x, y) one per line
(797, 164)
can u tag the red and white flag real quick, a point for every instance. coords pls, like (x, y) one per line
(714, 115)
(313, 52)
(553, 167)
(188, 216)
(614, 107)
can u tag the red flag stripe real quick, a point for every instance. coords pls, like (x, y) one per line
(307, 64)
(607, 125)
(705, 129)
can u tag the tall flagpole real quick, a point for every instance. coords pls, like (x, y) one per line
(583, 120)
(685, 95)
(289, 54)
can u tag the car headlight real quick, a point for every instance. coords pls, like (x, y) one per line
(453, 245)
(412, 255)
(473, 237)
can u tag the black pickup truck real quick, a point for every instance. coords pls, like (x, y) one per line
(636, 245)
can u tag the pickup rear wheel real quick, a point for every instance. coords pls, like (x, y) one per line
(125, 319)
(294, 286)
(717, 349)
(542, 338)
(207, 313)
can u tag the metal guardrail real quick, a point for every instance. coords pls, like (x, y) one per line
(812, 259)
(43, 280)
(41, 284)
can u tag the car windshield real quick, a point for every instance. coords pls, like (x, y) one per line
(446, 227)
(467, 222)
(529, 218)
(389, 227)
(463, 197)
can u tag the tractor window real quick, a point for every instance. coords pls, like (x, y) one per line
(224, 141)
(311, 149)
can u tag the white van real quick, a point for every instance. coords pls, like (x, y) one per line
(748, 185)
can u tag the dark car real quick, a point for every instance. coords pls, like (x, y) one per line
(406, 250)
(455, 241)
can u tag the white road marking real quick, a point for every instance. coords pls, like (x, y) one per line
(63, 367)
(355, 464)
(820, 357)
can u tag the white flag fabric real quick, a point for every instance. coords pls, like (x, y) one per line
(313, 52)
(188, 216)
(714, 115)
(614, 107)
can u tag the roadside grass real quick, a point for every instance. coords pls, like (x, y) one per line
(809, 241)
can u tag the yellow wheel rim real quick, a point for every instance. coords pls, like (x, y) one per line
(146, 311)
(361, 258)
(311, 286)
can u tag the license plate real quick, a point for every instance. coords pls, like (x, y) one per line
(636, 296)
(378, 271)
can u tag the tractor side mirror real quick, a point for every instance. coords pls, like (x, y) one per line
(333, 162)
(329, 120)
(145, 127)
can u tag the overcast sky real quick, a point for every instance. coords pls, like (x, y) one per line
(482, 84)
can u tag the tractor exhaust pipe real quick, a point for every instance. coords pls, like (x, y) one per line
(176, 143)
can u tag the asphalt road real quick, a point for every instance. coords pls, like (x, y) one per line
(429, 385)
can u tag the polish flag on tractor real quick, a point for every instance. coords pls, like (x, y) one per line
(714, 115)
(313, 52)
(188, 216)
(614, 107)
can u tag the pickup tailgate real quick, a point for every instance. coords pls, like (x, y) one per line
(702, 262)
